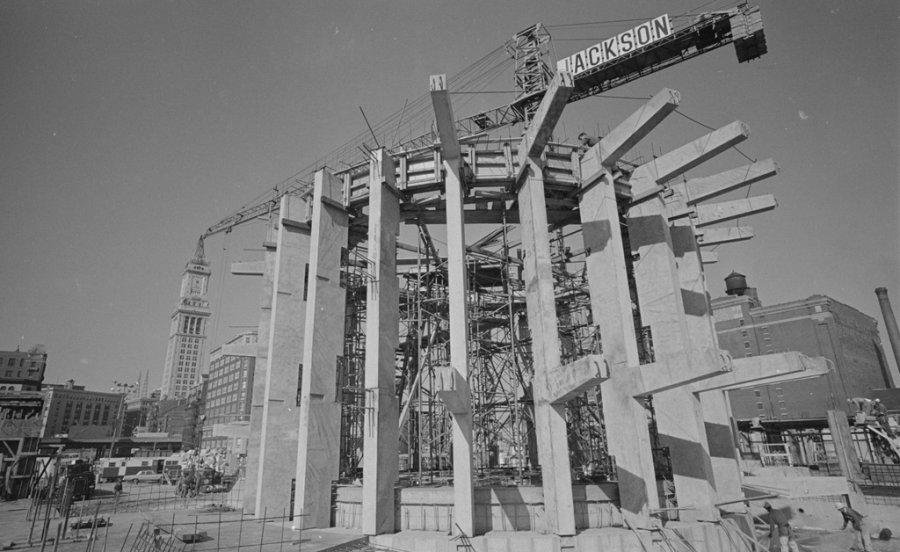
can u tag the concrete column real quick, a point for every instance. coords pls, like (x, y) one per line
(318, 451)
(463, 488)
(550, 423)
(278, 434)
(380, 443)
(266, 270)
(701, 328)
(611, 308)
(678, 413)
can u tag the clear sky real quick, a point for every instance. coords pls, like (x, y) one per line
(129, 127)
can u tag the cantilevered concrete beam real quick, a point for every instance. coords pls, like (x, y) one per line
(459, 403)
(703, 189)
(381, 438)
(278, 432)
(564, 383)
(709, 257)
(766, 369)
(318, 447)
(248, 268)
(738, 208)
(717, 236)
(678, 161)
(545, 118)
(681, 369)
(632, 130)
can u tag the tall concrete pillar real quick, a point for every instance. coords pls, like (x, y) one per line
(549, 418)
(890, 325)
(381, 439)
(280, 419)
(318, 451)
(679, 416)
(266, 270)
(456, 395)
(611, 307)
(701, 329)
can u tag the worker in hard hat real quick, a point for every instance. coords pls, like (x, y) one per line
(880, 412)
(780, 528)
(857, 521)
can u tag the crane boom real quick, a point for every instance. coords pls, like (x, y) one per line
(741, 26)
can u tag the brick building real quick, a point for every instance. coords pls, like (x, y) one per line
(229, 391)
(22, 370)
(815, 326)
(72, 410)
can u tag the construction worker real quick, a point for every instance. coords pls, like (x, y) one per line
(857, 521)
(880, 412)
(780, 528)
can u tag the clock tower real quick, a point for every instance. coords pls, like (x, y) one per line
(186, 353)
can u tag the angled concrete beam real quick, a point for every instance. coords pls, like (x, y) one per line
(678, 161)
(632, 130)
(458, 403)
(738, 208)
(767, 369)
(318, 442)
(682, 370)
(702, 189)
(544, 121)
(443, 117)
(248, 268)
(715, 236)
(453, 390)
(564, 383)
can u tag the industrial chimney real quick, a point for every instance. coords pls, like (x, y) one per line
(890, 324)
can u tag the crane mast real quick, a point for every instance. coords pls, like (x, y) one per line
(740, 26)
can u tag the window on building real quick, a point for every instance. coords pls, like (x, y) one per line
(758, 393)
(12, 362)
(743, 333)
(759, 406)
(746, 344)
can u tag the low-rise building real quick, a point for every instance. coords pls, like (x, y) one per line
(73, 412)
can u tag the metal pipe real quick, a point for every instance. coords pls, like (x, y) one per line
(890, 324)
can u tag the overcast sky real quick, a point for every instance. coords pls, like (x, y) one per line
(129, 127)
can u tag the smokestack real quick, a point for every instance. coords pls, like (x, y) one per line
(890, 324)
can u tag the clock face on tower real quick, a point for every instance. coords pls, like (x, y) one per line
(196, 286)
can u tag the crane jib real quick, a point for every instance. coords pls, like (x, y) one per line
(619, 45)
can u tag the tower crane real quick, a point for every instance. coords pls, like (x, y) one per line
(740, 26)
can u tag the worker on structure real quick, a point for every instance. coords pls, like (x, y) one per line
(586, 142)
(780, 528)
(880, 412)
(857, 521)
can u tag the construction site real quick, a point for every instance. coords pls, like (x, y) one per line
(486, 338)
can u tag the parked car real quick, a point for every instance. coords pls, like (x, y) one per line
(146, 476)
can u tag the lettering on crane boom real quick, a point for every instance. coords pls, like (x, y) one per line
(617, 46)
